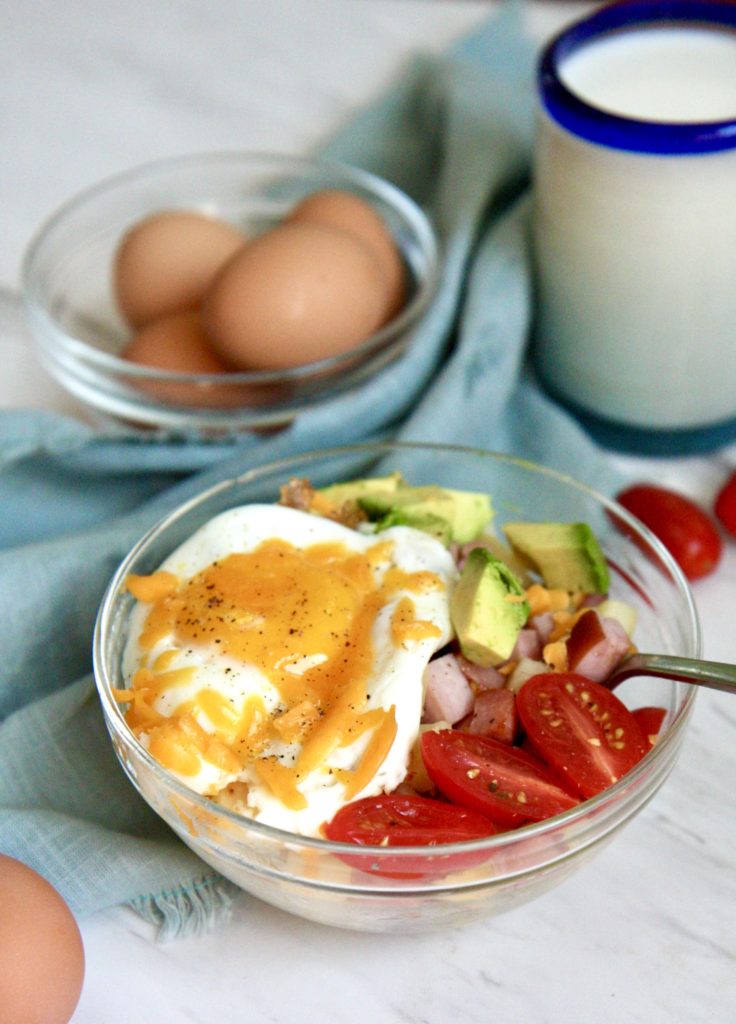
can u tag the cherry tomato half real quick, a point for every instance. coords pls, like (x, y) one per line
(684, 528)
(725, 506)
(581, 728)
(650, 722)
(502, 782)
(406, 820)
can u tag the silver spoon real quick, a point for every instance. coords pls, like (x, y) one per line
(716, 674)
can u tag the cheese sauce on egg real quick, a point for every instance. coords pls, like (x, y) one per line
(275, 662)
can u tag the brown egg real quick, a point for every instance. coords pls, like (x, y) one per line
(41, 951)
(166, 262)
(344, 210)
(177, 342)
(296, 294)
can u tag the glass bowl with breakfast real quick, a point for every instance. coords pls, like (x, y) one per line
(368, 684)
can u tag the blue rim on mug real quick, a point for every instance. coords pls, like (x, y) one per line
(656, 442)
(614, 130)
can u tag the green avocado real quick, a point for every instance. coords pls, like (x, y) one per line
(353, 490)
(472, 513)
(487, 609)
(435, 526)
(565, 555)
(464, 512)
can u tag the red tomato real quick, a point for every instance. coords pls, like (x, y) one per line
(502, 782)
(650, 722)
(683, 527)
(405, 820)
(725, 506)
(581, 728)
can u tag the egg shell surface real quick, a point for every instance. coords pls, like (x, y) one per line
(294, 295)
(349, 212)
(165, 262)
(41, 951)
(177, 342)
(200, 675)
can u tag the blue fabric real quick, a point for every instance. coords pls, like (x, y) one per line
(456, 134)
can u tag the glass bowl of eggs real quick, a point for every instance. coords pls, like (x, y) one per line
(227, 291)
(291, 681)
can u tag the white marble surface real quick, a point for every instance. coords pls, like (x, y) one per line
(647, 931)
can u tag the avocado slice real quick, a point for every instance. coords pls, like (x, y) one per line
(472, 513)
(465, 512)
(435, 526)
(565, 555)
(354, 490)
(487, 608)
(378, 503)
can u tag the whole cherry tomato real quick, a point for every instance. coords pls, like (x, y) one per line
(725, 506)
(687, 532)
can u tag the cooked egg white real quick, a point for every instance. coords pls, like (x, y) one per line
(275, 661)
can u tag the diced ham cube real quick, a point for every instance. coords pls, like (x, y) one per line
(485, 677)
(596, 645)
(528, 645)
(494, 715)
(448, 696)
(543, 623)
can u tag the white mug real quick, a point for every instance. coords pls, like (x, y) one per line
(634, 224)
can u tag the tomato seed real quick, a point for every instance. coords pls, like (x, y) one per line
(473, 773)
(594, 741)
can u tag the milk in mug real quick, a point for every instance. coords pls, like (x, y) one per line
(635, 223)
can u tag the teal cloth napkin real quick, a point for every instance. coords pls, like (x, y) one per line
(455, 133)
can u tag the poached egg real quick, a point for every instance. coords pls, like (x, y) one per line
(275, 661)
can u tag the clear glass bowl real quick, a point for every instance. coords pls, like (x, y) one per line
(345, 885)
(72, 313)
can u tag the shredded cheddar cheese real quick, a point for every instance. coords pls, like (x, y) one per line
(555, 655)
(304, 619)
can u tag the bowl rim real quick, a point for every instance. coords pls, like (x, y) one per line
(116, 720)
(394, 197)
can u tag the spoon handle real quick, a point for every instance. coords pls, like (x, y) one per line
(718, 675)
